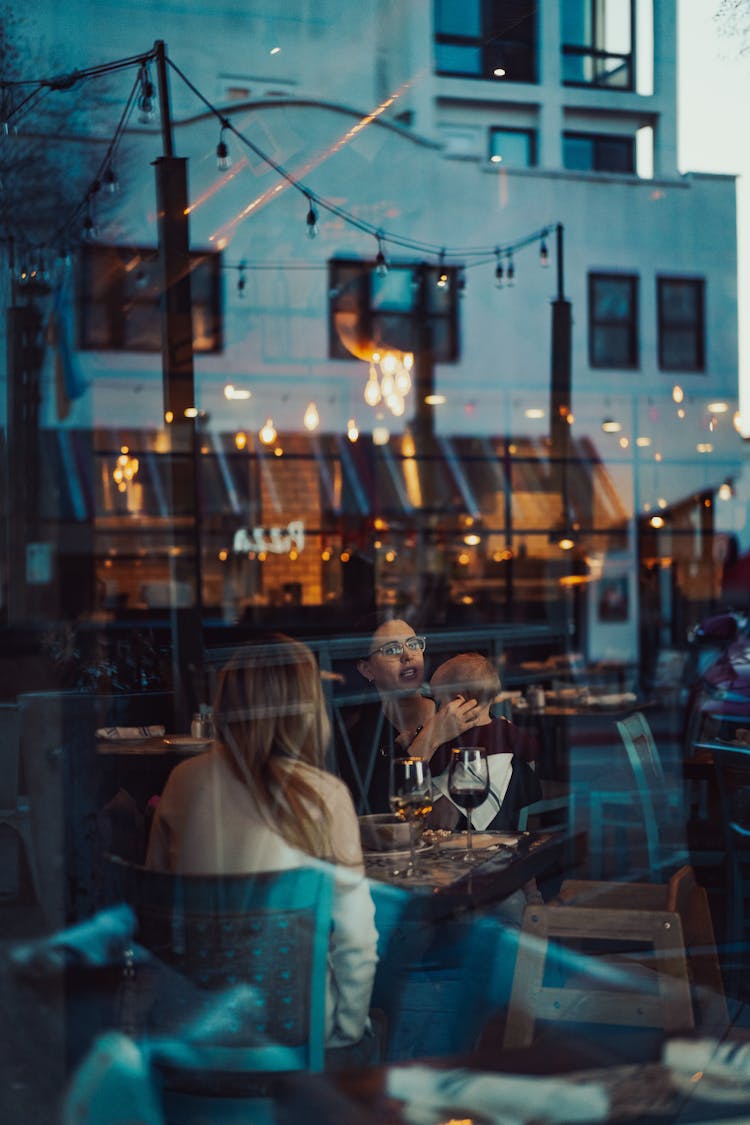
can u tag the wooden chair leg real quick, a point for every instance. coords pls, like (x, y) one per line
(527, 978)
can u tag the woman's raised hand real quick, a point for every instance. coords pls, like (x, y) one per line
(448, 723)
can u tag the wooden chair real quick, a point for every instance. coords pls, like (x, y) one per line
(683, 988)
(248, 955)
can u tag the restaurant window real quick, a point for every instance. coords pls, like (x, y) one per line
(485, 39)
(680, 304)
(613, 320)
(119, 290)
(597, 43)
(516, 148)
(411, 307)
(598, 152)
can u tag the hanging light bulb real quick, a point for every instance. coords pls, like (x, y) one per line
(677, 393)
(381, 263)
(403, 382)
(312, 418)
(110, 181)
(408, 361)
(312, 219)
(499, 271)
(88, 231)
(352, 432)
(442, 278)
(268, 433)
(241, 280)
(223, 157)
(543, 253)
(372, 388)
(146, 98)
(461, 282)
(395, 404)
(511, 272)
(240, 439)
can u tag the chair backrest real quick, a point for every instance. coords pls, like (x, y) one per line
(653, 793)
(259, 944)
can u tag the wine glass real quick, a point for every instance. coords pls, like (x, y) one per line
(468, 785)
(410, 797)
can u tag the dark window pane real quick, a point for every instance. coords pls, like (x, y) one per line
(611, 346)
(679, 300)
(679, 348)
(395, 291)
(614, 154)
(612, 299)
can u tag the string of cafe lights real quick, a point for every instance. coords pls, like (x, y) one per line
(11, 114)
(503, 256)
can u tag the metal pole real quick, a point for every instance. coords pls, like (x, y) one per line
(178, 384)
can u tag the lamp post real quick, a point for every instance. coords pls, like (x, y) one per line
(178, 384)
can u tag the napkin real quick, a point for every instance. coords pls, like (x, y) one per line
(128, 734)
(695, 1059)
(504, 1099)
(500, 767)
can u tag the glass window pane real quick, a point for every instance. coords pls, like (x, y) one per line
(578, 153)
(453, 59)
(614, 154)
(611, 346)
(515, 147)
(612, 298)
(394, 292)
(680, 349)
(679, 300)
(458, 17)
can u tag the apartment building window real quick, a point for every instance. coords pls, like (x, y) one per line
(598, 152)
(680, 308)
(486, 39)
(513, 147)
(411, 307)
(119, 291)
(597, 43)
(613, 320)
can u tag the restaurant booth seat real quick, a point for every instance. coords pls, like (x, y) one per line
(631, 955)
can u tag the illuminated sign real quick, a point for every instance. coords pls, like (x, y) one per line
(274, 540)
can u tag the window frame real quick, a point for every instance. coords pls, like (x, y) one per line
(600, 55)
(490, 47)
(368, 311)
(530, 133)
(632, 323)
(116, 294)
(698, 285)
(596, 139)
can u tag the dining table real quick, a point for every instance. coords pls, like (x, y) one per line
(448, 879)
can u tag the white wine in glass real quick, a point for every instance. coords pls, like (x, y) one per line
(410, 797)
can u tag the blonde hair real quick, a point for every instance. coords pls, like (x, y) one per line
(469, 674)
(271, 717)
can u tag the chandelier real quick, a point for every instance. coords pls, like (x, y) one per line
(389, 380)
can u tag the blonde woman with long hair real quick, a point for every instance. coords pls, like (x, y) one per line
(260, 800)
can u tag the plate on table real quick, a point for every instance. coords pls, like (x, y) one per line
(397, 853)
(186, 744)
(481, 840)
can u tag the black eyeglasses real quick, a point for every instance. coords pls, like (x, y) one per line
(396, 648)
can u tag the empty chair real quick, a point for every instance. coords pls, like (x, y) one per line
(670, 978)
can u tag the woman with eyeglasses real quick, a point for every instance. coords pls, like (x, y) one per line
(402, 712)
